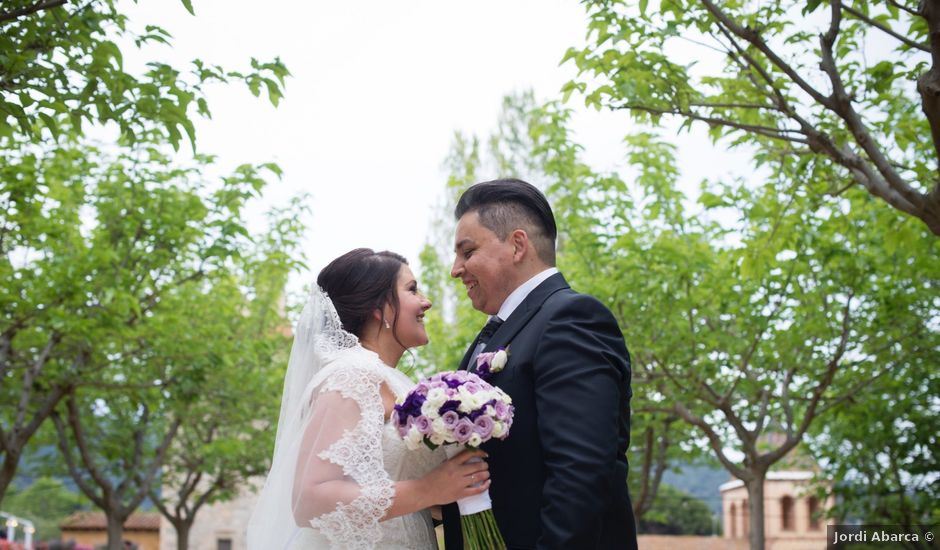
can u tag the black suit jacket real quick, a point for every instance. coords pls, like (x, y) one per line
(559, 480)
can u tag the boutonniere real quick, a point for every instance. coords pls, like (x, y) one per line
(491, 362)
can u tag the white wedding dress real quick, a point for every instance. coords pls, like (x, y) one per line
(336, 457)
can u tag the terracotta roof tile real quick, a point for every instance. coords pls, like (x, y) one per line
(94, 521)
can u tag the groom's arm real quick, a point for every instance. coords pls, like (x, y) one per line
(580, 370)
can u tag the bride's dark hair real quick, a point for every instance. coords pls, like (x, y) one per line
(359, 282)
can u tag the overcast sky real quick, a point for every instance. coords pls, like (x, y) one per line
(377, 92)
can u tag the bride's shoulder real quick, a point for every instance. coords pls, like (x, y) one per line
(353, 367)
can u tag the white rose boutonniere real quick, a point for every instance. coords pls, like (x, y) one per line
(491, 362)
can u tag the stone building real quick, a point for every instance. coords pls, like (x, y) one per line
(218, 526)
(91, 529)
(793, 515)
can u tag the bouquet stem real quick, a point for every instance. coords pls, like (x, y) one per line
(477, 522)
(480, 532)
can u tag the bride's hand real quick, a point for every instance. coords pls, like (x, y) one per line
(458, 478)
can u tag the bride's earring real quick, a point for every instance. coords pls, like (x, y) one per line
(387, 325)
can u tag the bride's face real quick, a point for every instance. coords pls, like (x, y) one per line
(411, 307)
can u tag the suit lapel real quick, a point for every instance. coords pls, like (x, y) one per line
(466, 356)
(529, 307)
(520, 316)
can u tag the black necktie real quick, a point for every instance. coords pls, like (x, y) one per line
(489, 329)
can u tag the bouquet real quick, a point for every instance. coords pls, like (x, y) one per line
(458, 409)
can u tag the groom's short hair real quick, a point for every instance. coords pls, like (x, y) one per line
(505, 205)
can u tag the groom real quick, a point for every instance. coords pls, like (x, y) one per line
(559, 480)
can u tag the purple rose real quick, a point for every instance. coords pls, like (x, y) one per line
(437, 384)
(502, 410)
(509, 416)
(450, 419)
(423, 425)
(403, 427)
(483, 425)
(463, 430)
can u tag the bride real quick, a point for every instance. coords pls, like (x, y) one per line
(341, 477)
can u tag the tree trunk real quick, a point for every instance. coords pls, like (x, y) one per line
(182, 534)
(7, 471)
(115, 532)
(755, 497)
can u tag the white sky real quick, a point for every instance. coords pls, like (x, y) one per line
(377, 92)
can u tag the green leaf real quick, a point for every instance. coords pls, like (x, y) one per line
(50, 124)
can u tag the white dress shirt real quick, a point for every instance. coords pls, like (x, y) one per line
(522, 291)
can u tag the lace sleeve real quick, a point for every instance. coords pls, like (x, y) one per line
(341, 488)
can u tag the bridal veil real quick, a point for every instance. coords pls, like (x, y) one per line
(327, 487)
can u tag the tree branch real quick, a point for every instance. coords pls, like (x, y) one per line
(756, 106)
(928, 85)
(754, 38)
(902, 7)
(785, 400)
(157, 461)
(831, 369)
(6, 346)
(759, 423)
(849, 394)
(66, 450)
(38, 6)
(714, 441)
(32, 373)
(774, 133)
(862, 17)
(643, 500)
(841, 105)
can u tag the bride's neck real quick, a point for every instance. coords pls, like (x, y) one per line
(389, 352)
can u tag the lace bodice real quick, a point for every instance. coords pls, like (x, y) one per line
(353, 457)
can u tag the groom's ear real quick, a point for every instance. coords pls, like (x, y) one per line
(520, 244)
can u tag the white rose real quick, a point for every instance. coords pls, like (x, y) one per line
(437, 439)
(499, 361)
(474, 440)
(498, 429)
(436, 398)
(414, 439)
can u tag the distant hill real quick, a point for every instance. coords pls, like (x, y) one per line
(701, 481)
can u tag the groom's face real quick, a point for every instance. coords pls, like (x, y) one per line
(483, 263)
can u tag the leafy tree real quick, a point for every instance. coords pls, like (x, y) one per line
(228, 434)
(190, 398)
(852, 87)
(675, 512)
(881, 449)
(62, 68)
(92, 239)
(754, 325)
(46, 502)
(113, 444)
(94, 243)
